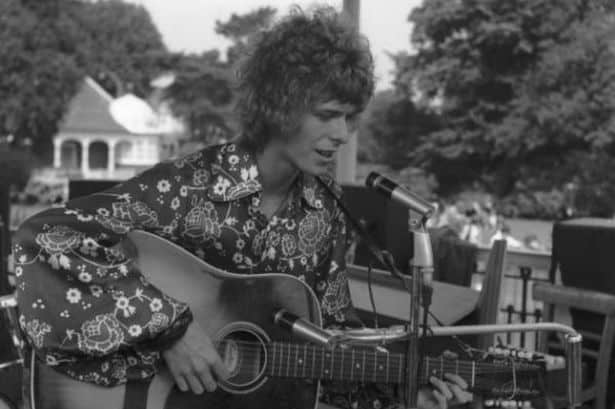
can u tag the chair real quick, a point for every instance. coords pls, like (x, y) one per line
(489, 298)
(597, 346)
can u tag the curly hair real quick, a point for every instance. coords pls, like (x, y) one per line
(302, 60)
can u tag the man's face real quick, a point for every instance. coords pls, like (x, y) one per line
(320, 133)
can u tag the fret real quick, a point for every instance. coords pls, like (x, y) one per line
(473, 372)
(427, 369)
(273, 358)
(441, 367)
(332, 362)
(456, 366)
(351, 364)
(288, 361)
(304, 360)
(363, 369)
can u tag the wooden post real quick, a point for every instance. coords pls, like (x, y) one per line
(347, 155)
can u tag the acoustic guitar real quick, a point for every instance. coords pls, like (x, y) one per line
(269, 368)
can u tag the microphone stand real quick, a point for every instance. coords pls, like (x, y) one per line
(421, 270)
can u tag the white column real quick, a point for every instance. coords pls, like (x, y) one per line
(111, 156)
(57, 153)
(85, 157)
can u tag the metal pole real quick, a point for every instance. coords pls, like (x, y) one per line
(346, 166)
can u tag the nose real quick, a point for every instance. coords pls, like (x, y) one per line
(342, 130)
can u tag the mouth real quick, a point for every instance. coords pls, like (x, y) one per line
(327, 154)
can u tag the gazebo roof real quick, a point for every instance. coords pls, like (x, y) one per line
(89, 111)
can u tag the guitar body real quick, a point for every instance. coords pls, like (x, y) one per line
(232, 307)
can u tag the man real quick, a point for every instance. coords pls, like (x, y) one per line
(260, 204)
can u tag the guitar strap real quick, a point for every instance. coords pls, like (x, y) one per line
(135, 396)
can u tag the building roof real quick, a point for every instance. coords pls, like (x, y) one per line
(89, 111)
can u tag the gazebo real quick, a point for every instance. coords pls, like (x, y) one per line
(105, 138)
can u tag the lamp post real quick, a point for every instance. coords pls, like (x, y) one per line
(346, 164)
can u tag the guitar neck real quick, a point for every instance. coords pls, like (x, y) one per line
(293, 360)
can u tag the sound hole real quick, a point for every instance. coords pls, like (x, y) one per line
(244, 354)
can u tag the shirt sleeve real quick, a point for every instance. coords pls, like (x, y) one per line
(79, 293)
(336, 304)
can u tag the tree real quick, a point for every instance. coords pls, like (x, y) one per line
(46, 48)
(518, 84)
(203, 93)
(392, 128)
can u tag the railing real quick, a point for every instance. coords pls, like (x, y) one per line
(516, 301)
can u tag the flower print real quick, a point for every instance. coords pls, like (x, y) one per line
(233, 160)
(258, 243)
(273, 239)
(73, 295)
(237, 258)
(230, 147)
(101, 335)
(96, 290)
(18, 271)
(89, 247)
(132, 361)
(155, 305)
(175, 203)
(103, 212)
(240, 244)
(84, 217)
(290, 224)
(311, 232)
(163, 186)
(135, 330)
(271, 253)
(337, 296)
(222, 184)
(200, 177)
(36, 331)
(202, 222)
(123, 303)
(183, 191)
(59, 239)
(123, 269)
(159, 322)
(85, 277)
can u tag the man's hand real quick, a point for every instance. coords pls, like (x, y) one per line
(450, 391)
(194, 362)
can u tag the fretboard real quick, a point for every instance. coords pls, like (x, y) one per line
(308, 361)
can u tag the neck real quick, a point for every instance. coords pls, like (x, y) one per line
(277, 174)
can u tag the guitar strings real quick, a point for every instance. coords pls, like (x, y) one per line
(336, 360)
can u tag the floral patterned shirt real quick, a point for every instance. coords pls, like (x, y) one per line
(88, 311)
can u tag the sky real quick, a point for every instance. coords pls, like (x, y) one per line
(188, 25)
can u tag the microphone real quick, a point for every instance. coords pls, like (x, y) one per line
(395, 192)
(303, 328)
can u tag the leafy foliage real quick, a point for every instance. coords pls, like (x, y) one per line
(515, 83)
(203, 93)
(47, 47)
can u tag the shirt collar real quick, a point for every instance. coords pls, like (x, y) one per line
(235, 176)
